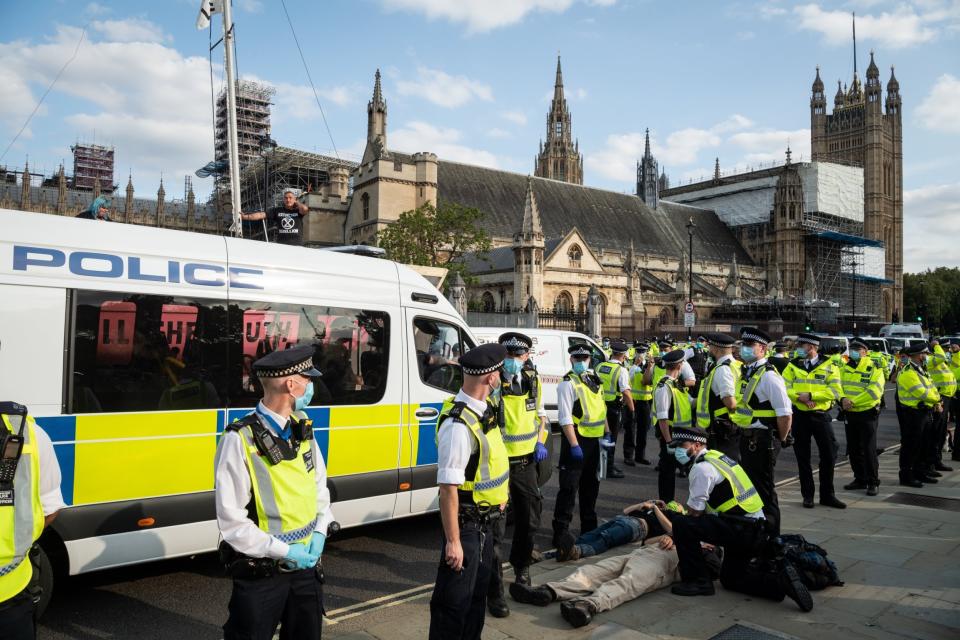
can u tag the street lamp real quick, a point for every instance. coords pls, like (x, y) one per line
(690, 227)
(268, 147)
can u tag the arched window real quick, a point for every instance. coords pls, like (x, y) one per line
(487, 303)
(575, 254)
(666, 318)
(603, 308)
(563, 303)
(365, 203)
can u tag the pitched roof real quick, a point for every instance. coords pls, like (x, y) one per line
(607, 219)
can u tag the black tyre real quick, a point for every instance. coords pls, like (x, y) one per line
(46, 581)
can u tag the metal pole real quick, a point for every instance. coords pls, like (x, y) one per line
(854, 298)
(266, 194)
(690, 280)
(237, 227)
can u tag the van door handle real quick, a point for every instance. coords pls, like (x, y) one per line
(426, 413)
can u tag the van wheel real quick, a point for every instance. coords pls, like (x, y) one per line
(46, 582)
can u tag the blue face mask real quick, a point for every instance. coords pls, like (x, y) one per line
(747, 353)
(579, 367)
(512, 366)
(299, 404)
(855, 356)
(681, 455)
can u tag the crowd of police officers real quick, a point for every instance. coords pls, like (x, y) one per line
(734, 404)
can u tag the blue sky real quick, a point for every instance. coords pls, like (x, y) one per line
(471, 81)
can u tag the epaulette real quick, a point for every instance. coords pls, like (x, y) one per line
(248, 420)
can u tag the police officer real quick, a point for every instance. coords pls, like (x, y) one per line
(917, 398)
(582, 415)
(716, 398)
(273, 506)
(764, 415)
(862, 383)
(605, 347)
(473, 472)
(671, 408)
(723, 508)
(953, 359)
(525, 433)
(781, 356)
(946, 383)
(813, 384)
(635, 437)
(30, 499)
(615, 377)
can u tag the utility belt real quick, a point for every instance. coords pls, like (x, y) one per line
(522, 460)
(723, 426)
(480, 515)
(240, 565)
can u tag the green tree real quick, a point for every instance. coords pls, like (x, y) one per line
(436, 236)
(934, 296)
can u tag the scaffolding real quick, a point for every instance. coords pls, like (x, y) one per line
(253, 122)
(264, 180)
(93, 164)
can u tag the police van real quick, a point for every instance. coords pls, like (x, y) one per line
(132, 347)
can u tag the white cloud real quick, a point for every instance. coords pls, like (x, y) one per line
(251, 6)
(96, 9)
(900, 28)
(736, 122)
(516, 117)
(484, 15)
(497, 132)
(932, 222)
(581, 94)
(940, 110)
(445, 142)
(768, 145)
(297, 102)
(444, 90)
(129, 30)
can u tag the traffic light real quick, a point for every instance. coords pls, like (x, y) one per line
(808, 324)
(920, 319)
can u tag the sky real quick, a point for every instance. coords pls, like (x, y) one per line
(471, 80)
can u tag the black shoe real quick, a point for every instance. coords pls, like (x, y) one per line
(872, 490)
(567, 548)
(856, 485)
(497, 606)
(832, 501)
(926, 479)
(794, 588)
(808, 503)
(537, 596)
(630, 462)
(614, 472)
(942, 467)
(700, 587)
(932, 473)
(578, 613)
(911, 482)
(522, 576)
(643, 461)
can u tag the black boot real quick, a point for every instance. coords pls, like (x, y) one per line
(522, 575)
(856, 485)
(497, 605)
(793, 587)
(578, 613)
(538, 596)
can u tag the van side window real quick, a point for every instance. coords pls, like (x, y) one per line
(134, 352)
(438, 346)
(596, 356)
(351, 349)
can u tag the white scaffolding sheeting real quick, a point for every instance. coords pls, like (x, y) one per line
(835, 189)
(747, 202)
(874, 263)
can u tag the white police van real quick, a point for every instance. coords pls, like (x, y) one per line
(132, 346)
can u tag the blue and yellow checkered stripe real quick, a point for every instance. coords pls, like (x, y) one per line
(128, 456)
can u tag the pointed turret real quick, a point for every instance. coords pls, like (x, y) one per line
(558, 84)
(61, 191)
(376, 123)
(648, 183)
(25, 187)
(810, 286)
(872, 70)
(559, 158)
(893, 95)
(716, 169)
(531, 228)
(128, 203)
(839, 99)
(733, 281)
(161, 194)
(789, 155)
(528, 253)
(817, 83)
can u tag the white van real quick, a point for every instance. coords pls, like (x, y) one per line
(903, 330)
(550, 356)
(132, 346)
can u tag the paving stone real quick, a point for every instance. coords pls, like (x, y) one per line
(871, 552)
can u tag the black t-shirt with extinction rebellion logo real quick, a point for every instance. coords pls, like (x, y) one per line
(287, 224)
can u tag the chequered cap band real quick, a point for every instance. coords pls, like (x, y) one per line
(690, 435)
(717, 343)
(805, 340)
(480, 372)
(514, 343)
(581, 352)
(300, 367)
(752, 337)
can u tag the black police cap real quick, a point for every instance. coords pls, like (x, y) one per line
(619, 346)
(484, 359)
(279, 364)
(808, 338)
(753, 334)
(673, 357)
(687, 434)
(856, 343)
(720, 339)
(516, 342)
(579, 351)
(915, 349)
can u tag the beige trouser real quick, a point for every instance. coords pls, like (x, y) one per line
(613, 581)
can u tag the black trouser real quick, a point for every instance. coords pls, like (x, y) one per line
(913, 423)
(526, 503)
(724, 437)
(666, 472)
(577, 478)
(459, 602)
(759, 450)
(635, 431)
(955, 411)
(614, 419)
(16, 617)
(816, 425)
(934, 437)
(861, 430)
(738, 574)
(293, 600)
(736, 536)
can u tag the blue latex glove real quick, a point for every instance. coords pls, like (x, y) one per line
(540, 452)
(299, 555)
(317, 540)
(607, 442)
(576, 453)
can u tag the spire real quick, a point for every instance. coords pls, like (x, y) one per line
(716, 169)
(872, 71)
(646, 145)
(161, 193)
(854, 17)
(376, 123)
(810, 286)
(733, 280)
(560, 158)
(817, 82)
(531, 227)
(128, 203)
(25, 187)
(789, 154)
(648, 183)
(377, 91)
(558, 85)
(61, 191)
(839, 98)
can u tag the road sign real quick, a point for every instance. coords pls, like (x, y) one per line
(688, 308)
(689, 319)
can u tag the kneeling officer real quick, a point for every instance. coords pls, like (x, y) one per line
(273, 506)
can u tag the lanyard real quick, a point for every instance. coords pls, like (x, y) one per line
(282, 431)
